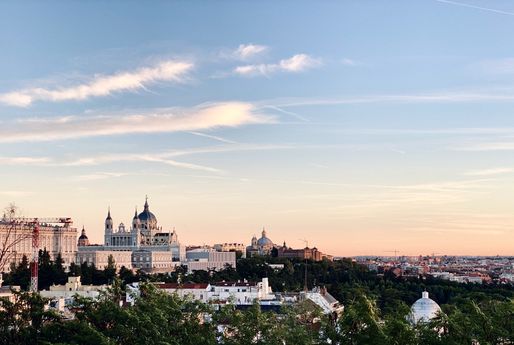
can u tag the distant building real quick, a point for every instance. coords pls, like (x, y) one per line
(62, 297)
(143, 246)
(6, 292)
(56, 239)
(209, 259)
(83, 240)
(261, 246)
(303, 254)
(71, 288)
(231, 247)
(243, 294)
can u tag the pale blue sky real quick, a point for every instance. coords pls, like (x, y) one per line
(363, 126)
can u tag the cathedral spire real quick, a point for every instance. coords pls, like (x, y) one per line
(146, 202)
(135, 214)
(109, 212)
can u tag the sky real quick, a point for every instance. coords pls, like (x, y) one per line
(362, 127)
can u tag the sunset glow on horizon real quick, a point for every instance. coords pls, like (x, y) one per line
(361, 139)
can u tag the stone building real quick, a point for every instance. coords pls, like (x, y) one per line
(144, 245)
(55, 238)
(303, 253)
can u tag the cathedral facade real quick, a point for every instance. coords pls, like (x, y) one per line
(144, 245)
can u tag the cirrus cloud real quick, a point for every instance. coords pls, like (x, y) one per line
(204, 117)
(101, 85)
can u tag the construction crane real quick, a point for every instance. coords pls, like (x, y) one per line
(34, 224)
(305, 286)
(395, 253)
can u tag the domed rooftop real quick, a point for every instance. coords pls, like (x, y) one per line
(264, 240)
(83, 235)
(146, 215)
(424, 309)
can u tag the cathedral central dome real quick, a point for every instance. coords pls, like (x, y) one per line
(264, 240)
(146, 215)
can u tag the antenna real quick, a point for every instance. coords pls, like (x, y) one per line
(305, 286)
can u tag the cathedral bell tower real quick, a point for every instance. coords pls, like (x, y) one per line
(108, 228)
(136, 230)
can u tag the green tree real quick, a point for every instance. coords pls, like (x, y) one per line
(59, 276)
(110, 270)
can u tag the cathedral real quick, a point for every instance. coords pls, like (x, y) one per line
(143, 232)
(144, 245)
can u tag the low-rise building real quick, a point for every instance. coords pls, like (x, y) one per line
(71, 288)
(231, 247)
(304, 253)
(209, 259)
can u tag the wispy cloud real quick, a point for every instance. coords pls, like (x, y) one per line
(348, 62)
(290, 113)
(166, 156)
(490, 172)
(102, 85)
(488, 9)
(488, 146)
(496, 66)
(24, 160)
(248, 51)
(230, 114)
(213, 137)
(15, 193)
(442, 97)
(294, 64)
(98, 176)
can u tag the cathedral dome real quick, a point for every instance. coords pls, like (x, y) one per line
(424, 309)
(264, 240)
(83, 240)
(146, 215)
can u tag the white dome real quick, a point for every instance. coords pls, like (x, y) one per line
(424, 309)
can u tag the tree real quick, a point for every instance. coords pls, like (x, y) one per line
(360, 324)
(110, 270)
(58, 272)
(23, 319)
(19, 275)
(74, 270)
(45, 271)
(11, 234)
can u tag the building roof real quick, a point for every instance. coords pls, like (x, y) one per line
(146, 215)
(83, 235)
(234, 284)
(424, 309)
(264, 240)
(200, 286)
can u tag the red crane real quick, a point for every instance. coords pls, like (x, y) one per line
(34, 223)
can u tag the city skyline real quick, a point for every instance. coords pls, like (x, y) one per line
(373, 127)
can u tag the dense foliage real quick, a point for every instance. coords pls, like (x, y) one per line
(376, 307)
(160, 318)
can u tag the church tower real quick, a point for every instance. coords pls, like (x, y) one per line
(136, 223)
(108, 228)
(136, 232)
